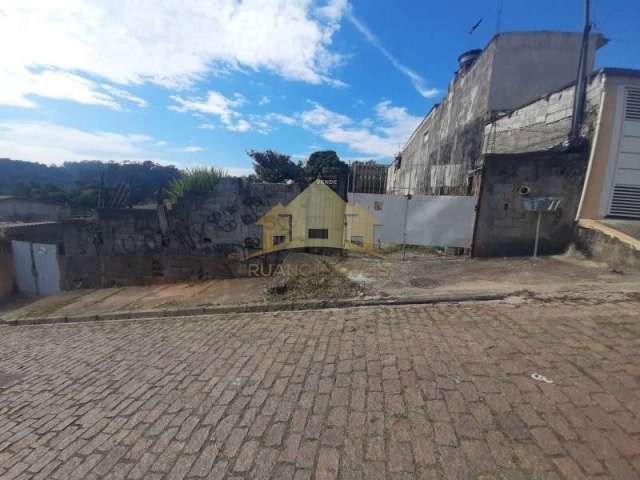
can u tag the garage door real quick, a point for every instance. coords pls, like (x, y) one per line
(625, 198)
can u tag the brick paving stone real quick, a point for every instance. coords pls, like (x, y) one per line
(439, 391)
(328, 463)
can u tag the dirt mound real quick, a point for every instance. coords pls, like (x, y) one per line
(305, 276)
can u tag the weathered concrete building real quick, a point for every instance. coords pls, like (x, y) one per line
(514, 69)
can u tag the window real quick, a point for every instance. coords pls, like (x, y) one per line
(357, 240)
(377, 206)
(278, 239)
(318, 233)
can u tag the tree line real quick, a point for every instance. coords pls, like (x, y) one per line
(89, 184)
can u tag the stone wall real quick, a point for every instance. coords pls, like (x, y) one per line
(503, 227)
(200, 237)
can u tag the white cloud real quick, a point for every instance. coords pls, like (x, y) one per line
(217, 105)
(383, 138)
(16, 85)
(192, 149)
(123, 94)
(171, 43)
(54, 144)
(19, 85)
(319, 116)
(416, 80)
(280, 118)
(266, 123)
(207, 126)
(240, 126)
(333, 9)
(264, 100)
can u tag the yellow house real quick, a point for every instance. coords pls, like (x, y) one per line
(315, 218)
(359, 228)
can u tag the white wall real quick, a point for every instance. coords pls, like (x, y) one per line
(445, 221)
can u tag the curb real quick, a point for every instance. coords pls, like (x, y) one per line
(264, 308)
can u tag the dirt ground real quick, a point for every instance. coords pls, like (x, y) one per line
(385, 276)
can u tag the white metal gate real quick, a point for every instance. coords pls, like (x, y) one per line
(36, 267)
(625, 194)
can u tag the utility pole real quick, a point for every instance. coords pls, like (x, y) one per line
(581, 80)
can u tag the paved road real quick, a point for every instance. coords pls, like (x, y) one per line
(412, 392)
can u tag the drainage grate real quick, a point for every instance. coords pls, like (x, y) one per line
(626, 201)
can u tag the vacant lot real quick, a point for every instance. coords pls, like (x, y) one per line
(359, 276)
(406, 392)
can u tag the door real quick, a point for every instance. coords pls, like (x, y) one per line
(625, 195)
(36, 268)
(45, 258)
(23, 267)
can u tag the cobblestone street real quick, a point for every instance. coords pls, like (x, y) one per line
(441, 391)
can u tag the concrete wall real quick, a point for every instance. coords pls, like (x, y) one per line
(544, 123)
(603, 247)
(17, 209)
(445, 221)
(503, 227)
(513, 69)
(529, 65)
(6, 271)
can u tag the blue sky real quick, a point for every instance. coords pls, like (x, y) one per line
(199, 83)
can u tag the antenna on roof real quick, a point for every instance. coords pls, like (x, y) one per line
(473, 29)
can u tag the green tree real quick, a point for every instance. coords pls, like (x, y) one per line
(271, 166)
(326, 159)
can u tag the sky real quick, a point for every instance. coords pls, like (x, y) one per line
(200, 82)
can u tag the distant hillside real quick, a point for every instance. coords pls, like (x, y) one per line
(78, 183)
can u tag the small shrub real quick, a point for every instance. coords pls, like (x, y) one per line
(199, 181)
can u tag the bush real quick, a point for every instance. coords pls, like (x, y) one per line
(199, 181)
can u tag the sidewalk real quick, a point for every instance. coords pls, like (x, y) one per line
(417, 279)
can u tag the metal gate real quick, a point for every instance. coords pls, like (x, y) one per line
(625, 196)
(36, 267)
